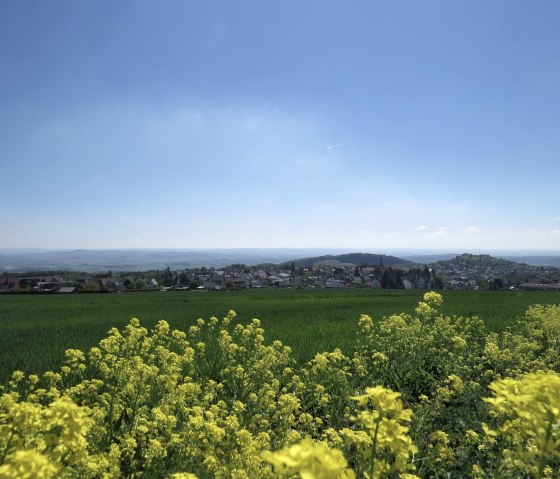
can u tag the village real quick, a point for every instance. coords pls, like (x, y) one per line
(466, 272)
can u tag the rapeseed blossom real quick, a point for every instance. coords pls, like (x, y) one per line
(386, 446)
(27, 464)
(311, 460)
(529, 412)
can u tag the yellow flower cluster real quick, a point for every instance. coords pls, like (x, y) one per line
(40, 441)
(427, 307)
(386, 447)
(528, 411)
(152, 404)
(311, 460)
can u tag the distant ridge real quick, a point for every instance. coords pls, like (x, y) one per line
(536, 260)
(119, 260)
(367, 259)
(481, 260)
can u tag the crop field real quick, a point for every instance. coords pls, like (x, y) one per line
(35, 330)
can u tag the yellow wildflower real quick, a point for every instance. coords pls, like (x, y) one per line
(312, 460)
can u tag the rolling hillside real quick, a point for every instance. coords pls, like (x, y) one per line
(367, 259)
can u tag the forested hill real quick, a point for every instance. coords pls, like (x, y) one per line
(367, 259)
(472, 261)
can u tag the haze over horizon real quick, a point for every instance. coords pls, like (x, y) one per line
(360, 125)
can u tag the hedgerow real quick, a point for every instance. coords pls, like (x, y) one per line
(423, 395)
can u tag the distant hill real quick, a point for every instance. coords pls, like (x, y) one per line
(534, 258)
(135, 260)
(537, 260)
(473, 261)
(21, 260)
(144, 259)
(367, 259)
(424, 258)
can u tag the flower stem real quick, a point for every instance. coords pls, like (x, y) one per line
(7, 448)
(542, 459)
(373, 448)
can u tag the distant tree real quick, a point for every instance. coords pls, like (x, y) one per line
(437, 282)
(140, 283)
(496, 284)
(399, 280)
(92, 286)
(387, 279)
(168, 277)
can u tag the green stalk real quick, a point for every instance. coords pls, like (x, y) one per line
(135, 404)
(542, 459)
(374, 447)
(7, 448)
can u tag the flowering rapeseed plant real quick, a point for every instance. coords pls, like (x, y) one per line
(528, 410)
(311, 460)
(386, 446)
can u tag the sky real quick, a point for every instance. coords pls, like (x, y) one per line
(280, 124)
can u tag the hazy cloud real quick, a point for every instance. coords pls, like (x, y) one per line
(472, 229)
(334, 147)
(555, 232)
(439, 233)
(421, 227)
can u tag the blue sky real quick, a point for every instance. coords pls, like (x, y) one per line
(210, 124)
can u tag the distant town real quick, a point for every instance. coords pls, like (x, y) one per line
(466, 272)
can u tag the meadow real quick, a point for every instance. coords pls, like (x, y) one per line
(35, 330)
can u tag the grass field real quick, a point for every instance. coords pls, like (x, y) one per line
(35, 330)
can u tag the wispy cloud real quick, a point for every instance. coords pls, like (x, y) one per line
(439, 233)
(555, 232)
(472, 230)
(334, 147)
(421, 228)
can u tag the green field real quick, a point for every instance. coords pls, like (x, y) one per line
(35, 330)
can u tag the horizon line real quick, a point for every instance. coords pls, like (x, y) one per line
(287, 248)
